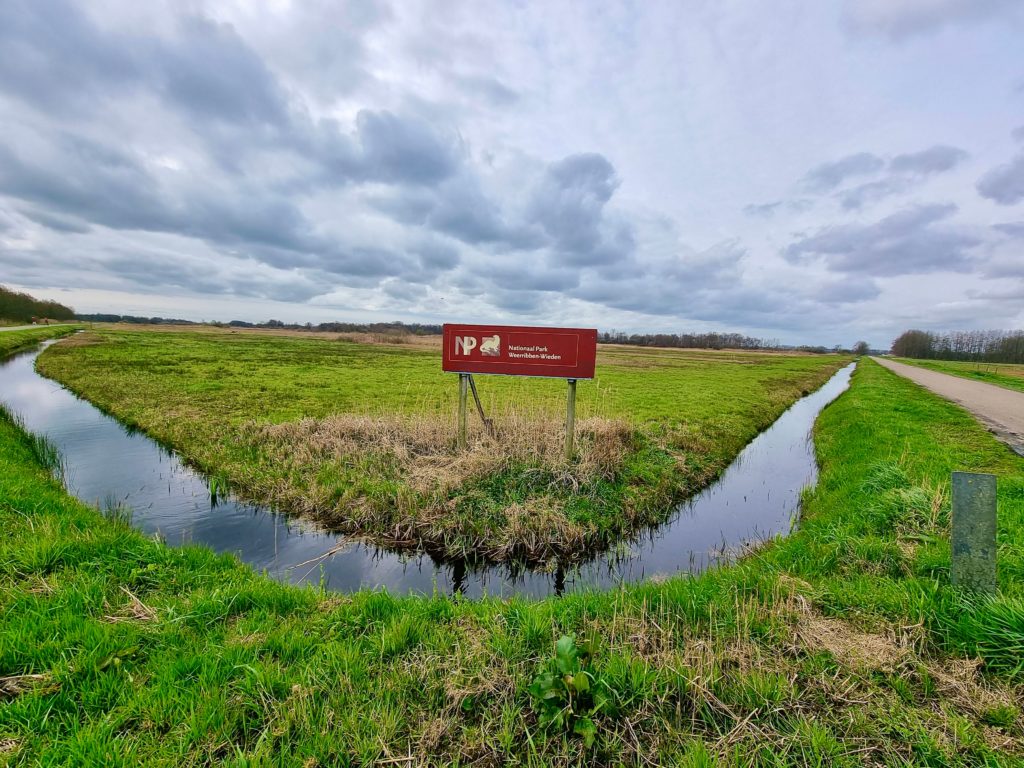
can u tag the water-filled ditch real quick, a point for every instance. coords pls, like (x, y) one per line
(107, 464)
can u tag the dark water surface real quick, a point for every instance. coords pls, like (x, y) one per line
(755, 498)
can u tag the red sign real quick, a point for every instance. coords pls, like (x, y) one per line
(511, 350)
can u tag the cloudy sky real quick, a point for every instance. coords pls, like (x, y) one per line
(801, 170)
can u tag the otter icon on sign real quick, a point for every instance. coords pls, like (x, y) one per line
(491, 346)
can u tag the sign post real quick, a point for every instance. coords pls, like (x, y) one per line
(512, 350)
(570, 420)
(463, 391)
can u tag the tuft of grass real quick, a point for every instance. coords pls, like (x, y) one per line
(43, 450)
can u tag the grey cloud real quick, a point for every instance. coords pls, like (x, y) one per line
(763, 209)
(904, 172)
(566, 213)
(849, 290)
(384, 147)
(398, 149)
(1012, 228)
(407, 206)
(568, 203)
(369, 262)
(403, 291)
(54, 57)
(828, 176)
(1013, 293)
(462, 210)
(84, 179)
(935, 159)
(516, 301)
(213, 75)
(491, 89)
(1018, 133)
(57, 223)
(673, 286)
(331, 58)
(1005, 183)
(857, 197)
(113, 189)
(438, 256)
(767, 210)
(1000, 267)
(900, 20)
(459, 207)
(149, 271)
(907, 242)
(522, 277)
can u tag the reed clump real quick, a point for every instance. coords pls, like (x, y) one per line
(403, 474)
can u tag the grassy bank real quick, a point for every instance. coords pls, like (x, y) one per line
(361, 436)
(13, 341)
(1002, 374)
(840, 645)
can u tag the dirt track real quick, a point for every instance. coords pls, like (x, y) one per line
(999, 409)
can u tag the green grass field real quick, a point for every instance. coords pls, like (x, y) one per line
(841, 645)
(362, 436)
(13, 341)
(1003, 374)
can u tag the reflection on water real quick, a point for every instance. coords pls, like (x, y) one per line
(108, 464)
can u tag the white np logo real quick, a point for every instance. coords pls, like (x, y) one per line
(491, 346)
(464, 344)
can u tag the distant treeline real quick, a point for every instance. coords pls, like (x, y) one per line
(688, 340)
(395, 327)
(982, 346)
(21, 306)
(105, 318)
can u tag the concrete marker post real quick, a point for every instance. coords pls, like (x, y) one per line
(973, 539)
(570, 420)
(463, 397)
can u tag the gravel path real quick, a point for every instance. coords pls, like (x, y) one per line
(999, 409)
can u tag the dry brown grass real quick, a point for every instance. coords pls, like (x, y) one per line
(133, 610)
(419, 453)
(425, 446)
(15, 685)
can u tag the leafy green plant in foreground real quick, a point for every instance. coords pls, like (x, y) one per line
(570, 693)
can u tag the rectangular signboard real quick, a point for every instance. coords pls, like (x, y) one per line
(512, 350)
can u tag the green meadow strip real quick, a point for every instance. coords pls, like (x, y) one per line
(15, 341)
(840, 645)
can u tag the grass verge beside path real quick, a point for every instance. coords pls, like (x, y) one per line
(1001, 374)
(362, 436)
(13, 341)
(842, 645)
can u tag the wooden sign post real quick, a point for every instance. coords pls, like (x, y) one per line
(513, 350)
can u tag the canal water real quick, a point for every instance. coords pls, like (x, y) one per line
(108, 465)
